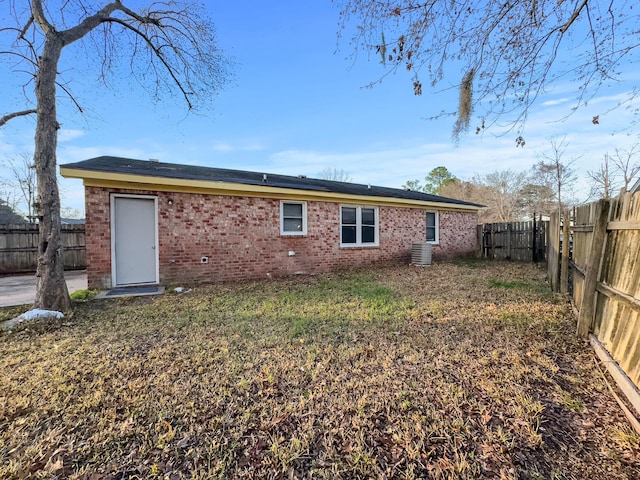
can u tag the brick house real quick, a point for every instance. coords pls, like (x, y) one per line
(149, 222)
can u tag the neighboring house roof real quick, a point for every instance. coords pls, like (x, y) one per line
(636, 187)
(8, 215)
(129, 173)
(73, 221)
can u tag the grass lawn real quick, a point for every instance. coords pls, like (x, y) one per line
(460, 370)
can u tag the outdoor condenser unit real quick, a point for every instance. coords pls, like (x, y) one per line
(421, 254)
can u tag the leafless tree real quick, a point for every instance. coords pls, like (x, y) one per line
(462, 190)
(501, 192)
(7, 194)
(536, 199)
(24, 177)
(8, 202)
(603, 180)
(474, 192)
(335, 174)
(556, 172)
(69, 212)
(503, 53)
(627, 164)
(168, 45)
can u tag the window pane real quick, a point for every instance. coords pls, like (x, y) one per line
(292, 210)
(348, 234)
(292, 225)
(368, 234)
(368, 216)
(348, 216)
(431, 227)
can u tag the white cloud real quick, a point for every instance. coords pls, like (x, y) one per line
(558, 101)
(227, 147)
(67, 134)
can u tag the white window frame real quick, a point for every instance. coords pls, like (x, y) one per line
(304, 218)
(437, 226)
(359, 243)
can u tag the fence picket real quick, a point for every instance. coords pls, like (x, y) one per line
(521, 241)
(616, 300)
(19, 247)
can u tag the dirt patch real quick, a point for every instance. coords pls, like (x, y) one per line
(467, 370)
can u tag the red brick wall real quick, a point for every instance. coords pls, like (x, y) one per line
(241, 237)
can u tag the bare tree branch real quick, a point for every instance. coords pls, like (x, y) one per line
(39, 16)
(171, 46)
(158, 52)
(71, 97)
(13, 115)
(575, 15)
(512, 46)
(24, 29)
(627, 163)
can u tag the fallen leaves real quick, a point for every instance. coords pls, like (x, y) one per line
(455, 371)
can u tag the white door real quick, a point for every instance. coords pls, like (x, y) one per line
(134, 240)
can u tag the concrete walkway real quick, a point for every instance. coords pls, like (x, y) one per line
(21, 289)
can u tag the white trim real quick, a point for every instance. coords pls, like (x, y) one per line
(112, 202)
(437, 226)
(304, 218)
(359, 243)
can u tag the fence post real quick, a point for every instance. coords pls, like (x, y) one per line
(566, 244)
(589, 294)
(493, 241)
(534, 234)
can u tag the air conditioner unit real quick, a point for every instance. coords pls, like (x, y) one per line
(421, 254)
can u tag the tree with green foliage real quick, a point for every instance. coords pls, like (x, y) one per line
(414, 185)
(435, 180)
(169, 47)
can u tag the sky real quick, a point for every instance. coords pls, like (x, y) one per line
(298, 103)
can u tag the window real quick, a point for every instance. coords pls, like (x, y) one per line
(432, 227)
(358, 226)
(293, 218)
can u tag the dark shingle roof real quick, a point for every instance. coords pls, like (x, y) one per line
(191, 172)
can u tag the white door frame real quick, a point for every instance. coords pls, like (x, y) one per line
(113, 234)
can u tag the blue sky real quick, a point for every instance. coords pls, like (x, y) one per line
(298, 103)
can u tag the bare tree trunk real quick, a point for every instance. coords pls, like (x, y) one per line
(51, 289)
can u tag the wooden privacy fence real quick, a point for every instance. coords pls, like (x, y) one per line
(553, 251)
(524, 241)
(606, 277)
(19, 247)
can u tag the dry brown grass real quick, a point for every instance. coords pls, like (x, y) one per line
(466, 370)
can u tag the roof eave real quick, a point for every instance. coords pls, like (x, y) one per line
(99, 178)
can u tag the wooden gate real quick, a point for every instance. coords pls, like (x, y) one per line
(523, 241)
